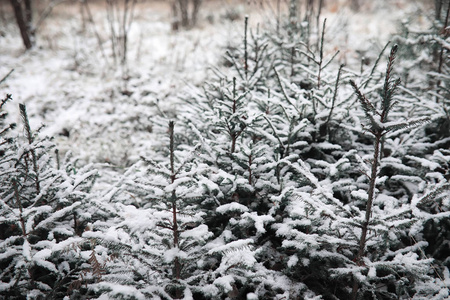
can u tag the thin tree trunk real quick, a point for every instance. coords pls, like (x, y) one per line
(21, 22)
(3, 16)
(195, 11)
(29, 134)
(184, 12)
(371, 194)
(309, 13)
(177, 264)
(319, 11)
(29, 20)
(28, 13)
(91, 20)
(176, 20)
(441, 54)
(123, 60)
(355, 5)
(438, 8)
(278, 16)
(111, 18)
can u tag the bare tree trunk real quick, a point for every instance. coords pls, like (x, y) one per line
(28, 13)
(91, 20)
(3, 16)
(438, 8)
(128, 16)
(176, 244)
(22, 22)
(110, 10)
(319, 11)
(29, 20)
(185, 13)
(195, 11)
(278, 16)
(369, 204)
(175, 21)
(355, 5)
(83, 17)
(123, 60)
(309, 13)
(183, 5)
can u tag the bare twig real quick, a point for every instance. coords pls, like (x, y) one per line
(6, 76)
(47, 11)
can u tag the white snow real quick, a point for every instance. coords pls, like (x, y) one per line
(360, 194)
(292, 261)
(26, 250)
(225, 282)
(231, 207)
(118, 291)
(173, 253)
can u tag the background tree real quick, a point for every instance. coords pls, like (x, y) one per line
(23, 12)
(185, 15)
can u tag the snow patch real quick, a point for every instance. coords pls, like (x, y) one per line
(232, 207)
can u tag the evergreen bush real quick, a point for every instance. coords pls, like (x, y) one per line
(45, 208)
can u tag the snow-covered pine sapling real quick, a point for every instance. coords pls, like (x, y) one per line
(156, 245)
(225, 113)
(307, 72)
(425, 51)
(29, 135)
(333, 101)
(260, 57)
(375, 65)
(233, 122)
(5, 128)
(254, 55)
(182, 191)
(39, 252)
(378, 126)
(319, 59)
(234, 131)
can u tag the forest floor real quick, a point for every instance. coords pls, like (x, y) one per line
(102, 111)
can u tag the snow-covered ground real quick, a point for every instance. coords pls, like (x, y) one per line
(83, 100)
